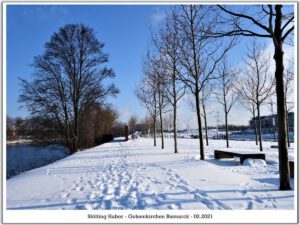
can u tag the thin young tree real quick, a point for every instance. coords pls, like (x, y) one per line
(288, 89)
(206, 92)
(199, 53)
(251, 107)
(67, 76)
(225, 92)
(160, 81)
(275, 22)
(257, 83)
(132, 122)
(146, 93)
(168, 45)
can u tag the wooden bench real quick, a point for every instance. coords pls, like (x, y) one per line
(291, 164)
(219, 154)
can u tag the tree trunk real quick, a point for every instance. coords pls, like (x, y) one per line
(226, 129)
(255, 126)
(287, 124)
(162, 129)
(259, 127)
(174, 109)
(175, 128)
(281, 112)
(154, 130)
(288, 129)
(199, 126)
(205, 123)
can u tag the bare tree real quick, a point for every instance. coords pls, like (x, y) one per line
(68, 76)
(251, 106)
(225, 93)
(168, 45)
(199, 53)
(132, 122)
(145, 125)
(160, 80)
(288, 89)
(257, 84)
(276, 23)
(147, 93)
(206, 92)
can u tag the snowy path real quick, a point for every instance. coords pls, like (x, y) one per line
(135, 175)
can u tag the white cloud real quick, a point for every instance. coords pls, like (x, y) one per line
(157, 17)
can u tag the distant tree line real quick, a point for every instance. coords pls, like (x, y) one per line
(98, 125)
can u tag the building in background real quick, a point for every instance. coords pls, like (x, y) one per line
(269, 123)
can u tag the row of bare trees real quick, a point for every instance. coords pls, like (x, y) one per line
(190, 56)
(184, 60)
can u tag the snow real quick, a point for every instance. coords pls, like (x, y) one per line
(255, 162)
(136, 175)
(18, 141)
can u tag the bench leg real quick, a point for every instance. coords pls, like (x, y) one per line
(217, 155)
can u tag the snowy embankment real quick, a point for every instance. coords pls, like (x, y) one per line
(136, 175)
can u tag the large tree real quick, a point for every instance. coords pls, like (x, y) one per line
(68, 76)
(277, 23)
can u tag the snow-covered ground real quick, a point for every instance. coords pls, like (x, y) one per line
(136, 175)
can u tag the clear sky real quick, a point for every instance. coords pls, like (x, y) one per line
(125, 31)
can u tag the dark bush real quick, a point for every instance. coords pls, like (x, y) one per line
(104, 138)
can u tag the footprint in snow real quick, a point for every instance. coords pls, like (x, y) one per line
(183, 188)
(202, 192)
(44, 200)
(91, 206)
(173, 206)
(79, 188)
(257, 199)
(205, 201)
(250, 205)
(243, 192)
(71, 201)
(64, 195)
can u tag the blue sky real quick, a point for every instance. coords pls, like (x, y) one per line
(123, 28)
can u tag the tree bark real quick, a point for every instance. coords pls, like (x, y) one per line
(226, 129)
(284, 172)
(259, 127)
(255, 126)
(199, 126)
(288, 129)
(287, 123)
(162, 129)
(174, 108)
(154, 130)
(175, 128)
(205, 124)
